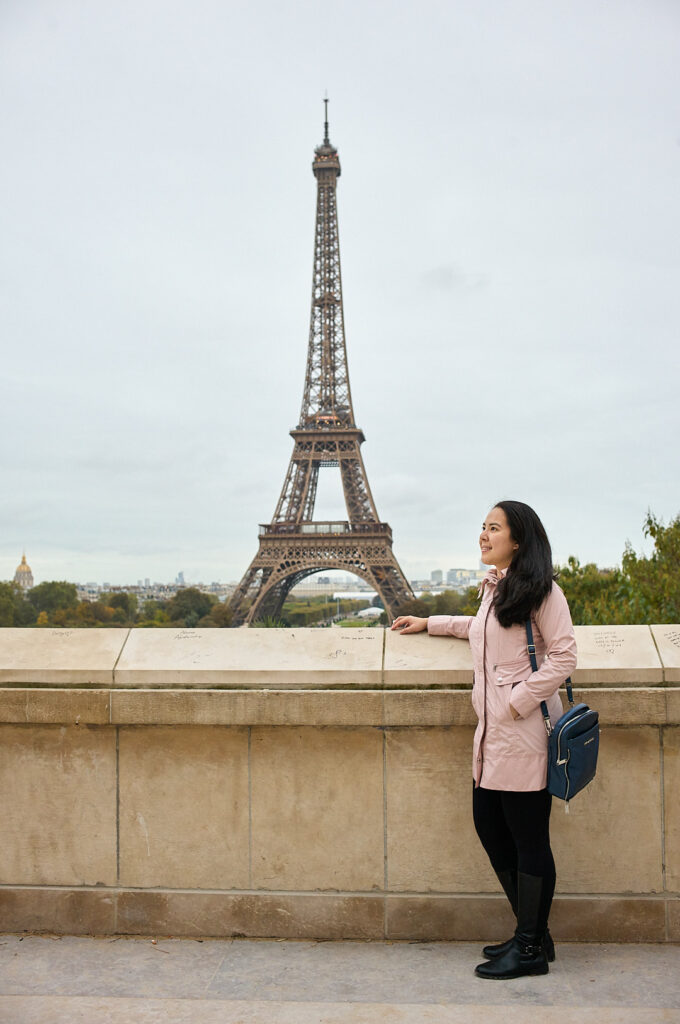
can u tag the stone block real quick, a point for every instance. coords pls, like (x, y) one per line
(625, 705)
(465, 918)
(57, 805)
(243, 658)
(421, 660)
(64, 911)
(430, 707)
(253, 915)
(448, 918)
(667, 639)
(431, 842)
(671, 781)
(610, 842)
(13, 706)
(42, 706)
(673, 919)
(672, 705)
(608, 919)
(247, 707)
(616, 655)
(80, 657)
(184, 807)
(317, 808)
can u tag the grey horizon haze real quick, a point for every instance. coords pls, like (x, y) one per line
(509, 217)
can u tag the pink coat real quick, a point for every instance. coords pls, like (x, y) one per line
(508, 753)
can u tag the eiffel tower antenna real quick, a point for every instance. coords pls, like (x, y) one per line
(326, 140)
(294, 545)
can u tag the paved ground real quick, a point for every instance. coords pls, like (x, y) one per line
(70, 980)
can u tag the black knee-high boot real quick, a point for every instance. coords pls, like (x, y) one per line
(526, 954)
(508, 880)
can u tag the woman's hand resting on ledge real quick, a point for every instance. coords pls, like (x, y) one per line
(409, 624)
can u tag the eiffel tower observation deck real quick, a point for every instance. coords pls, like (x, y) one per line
(294, 545)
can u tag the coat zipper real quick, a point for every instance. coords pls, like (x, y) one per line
(480, 755)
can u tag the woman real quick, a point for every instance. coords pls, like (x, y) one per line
(510, 802)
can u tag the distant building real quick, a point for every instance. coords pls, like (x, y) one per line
(180, 579)
(23, 576)
(461, 579)
(369, 613)
(436, 576)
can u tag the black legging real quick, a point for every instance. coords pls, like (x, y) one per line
(514, 829)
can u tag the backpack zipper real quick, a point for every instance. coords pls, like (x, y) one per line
(564, 760)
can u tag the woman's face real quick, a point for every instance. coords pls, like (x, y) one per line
(495, 542)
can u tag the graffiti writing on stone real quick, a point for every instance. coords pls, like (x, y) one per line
(608, 640)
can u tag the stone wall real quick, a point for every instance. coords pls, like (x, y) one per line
(311, 783)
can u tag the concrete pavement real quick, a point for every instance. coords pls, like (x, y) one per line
(64, 980)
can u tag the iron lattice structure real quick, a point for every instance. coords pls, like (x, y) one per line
(294, 545)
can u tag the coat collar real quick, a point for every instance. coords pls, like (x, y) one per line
(492, 577)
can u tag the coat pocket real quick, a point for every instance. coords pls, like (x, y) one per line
(506, 675)
(508, 672)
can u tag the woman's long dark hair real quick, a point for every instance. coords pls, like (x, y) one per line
(530, 574)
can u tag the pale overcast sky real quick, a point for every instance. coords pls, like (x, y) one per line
(509, 214)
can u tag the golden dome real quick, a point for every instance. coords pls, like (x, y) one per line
(24, 567)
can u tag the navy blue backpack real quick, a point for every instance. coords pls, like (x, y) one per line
(573, 741)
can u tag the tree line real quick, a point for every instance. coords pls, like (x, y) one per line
(55, 603)
(643, 590)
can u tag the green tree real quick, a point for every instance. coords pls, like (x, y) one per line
(596, 596)
(655, 581)
(643, 590)
(101, 612)
(189, 603)
(6, 605)
(123, 601)
(220, 615)
(15, 610)
(418, 606)
(449, 602)
(49, 596)
(149, 608)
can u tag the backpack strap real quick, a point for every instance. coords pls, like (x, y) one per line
(534, 668)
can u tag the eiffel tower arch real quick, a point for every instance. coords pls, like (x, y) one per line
(294, 545)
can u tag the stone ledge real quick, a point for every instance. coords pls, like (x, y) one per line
(251, 658)
(182, 913)
(667, 640)
(389, 708)
(310, 659)
(72, 657)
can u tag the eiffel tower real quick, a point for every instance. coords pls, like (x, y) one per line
(295, 545)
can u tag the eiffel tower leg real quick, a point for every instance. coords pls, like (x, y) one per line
(269, 601)
(358, 497)
(389, 581)
(248, 590)
(310, 498)
(272, 596)
(300, 480)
